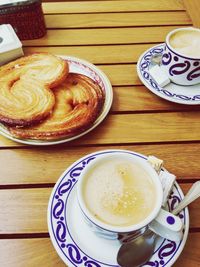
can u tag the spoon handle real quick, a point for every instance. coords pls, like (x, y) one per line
(191, 195)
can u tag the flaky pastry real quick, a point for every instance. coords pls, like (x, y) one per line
(78, 102)
(25, 88)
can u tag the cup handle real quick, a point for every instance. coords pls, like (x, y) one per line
(164, 232)
(167, 225)
(169, 220)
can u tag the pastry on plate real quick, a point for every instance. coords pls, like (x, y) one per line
(26, 97)
(78, 103)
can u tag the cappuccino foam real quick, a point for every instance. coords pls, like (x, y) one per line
(186, 42)
(119, 192)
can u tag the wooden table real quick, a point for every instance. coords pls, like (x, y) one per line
(112, 35)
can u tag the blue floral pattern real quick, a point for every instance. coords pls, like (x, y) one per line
(144, 65)
(181, 65)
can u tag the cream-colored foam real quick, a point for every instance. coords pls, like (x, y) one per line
(119, 193)
(186, 42)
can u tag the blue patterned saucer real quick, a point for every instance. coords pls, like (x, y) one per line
(73, 239)
(188, 95)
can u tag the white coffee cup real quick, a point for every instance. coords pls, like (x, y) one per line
(181, 57)
(121, 193)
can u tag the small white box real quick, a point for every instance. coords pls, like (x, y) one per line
(159, 76)
(10, 45)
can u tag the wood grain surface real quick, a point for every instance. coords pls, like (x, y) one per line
(116, 20)
(110, 6)
(45, 165)
(112, 34)
(142, 128)
(192, 8)
(28, 207)
(40, 251)
(90, 36)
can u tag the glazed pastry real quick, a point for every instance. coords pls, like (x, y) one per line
(78, 102)
(46, 68)
(25, 88)
(24, 102)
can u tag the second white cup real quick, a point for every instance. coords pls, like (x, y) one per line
(181, 58)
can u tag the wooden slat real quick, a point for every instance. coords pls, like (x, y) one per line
(121, 75)
(27, 210)
(28, 207)
(139, 98)
(141, 128)
(116, 20)
(190, 255)
(45, 165)
(40, 252)
(29, 253)
(102, 36)
(192, 8)
(96, 54)
(146, 128)
(5, 142)
(108, 6)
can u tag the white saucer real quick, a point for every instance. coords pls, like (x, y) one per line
(73, 239)
(189, 95)
(80, 66)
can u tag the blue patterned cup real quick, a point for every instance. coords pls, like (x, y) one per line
(102, 174)
(120, 196)
(181, 57)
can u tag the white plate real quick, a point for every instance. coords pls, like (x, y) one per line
(74, 241)
(188, 95)
(80, 66)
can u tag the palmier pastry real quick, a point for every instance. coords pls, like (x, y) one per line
(25, 95)
(79, 101)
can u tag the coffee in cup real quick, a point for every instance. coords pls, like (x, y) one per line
(181, 57)
(186, 42)
(119, 192)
